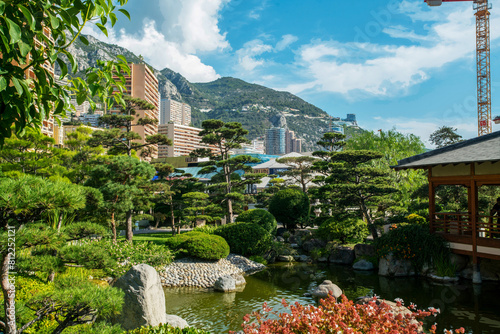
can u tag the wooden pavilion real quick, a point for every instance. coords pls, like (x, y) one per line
(473, 164)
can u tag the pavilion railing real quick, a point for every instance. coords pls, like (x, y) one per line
(460, 223)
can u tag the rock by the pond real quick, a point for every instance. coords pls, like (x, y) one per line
(144, 303)
(363, 265)
(175, 321)
(309, 245)
(390, 266)
(302, 258)
(285, 258)
(239, 280)
(364, 250)
(280, 239)
(225, 284)
(342, 255)
(323, 259)
(325, 288)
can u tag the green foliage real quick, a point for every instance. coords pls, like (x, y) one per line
(207, 247)
(95, 328)
(81, 230)
(444, 136)
(200, 245)
(443, 265)
(260, 217)
(245, 238)
(176, 242)
(412, 242)
(208, 229)
(166, 329)
(91, 255)
(348, 230)
(258, 259)
(289, 206)
(28, 100)
(413, 218)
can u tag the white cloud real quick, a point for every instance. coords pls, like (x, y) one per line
(420, 128)
(247, 54)
(193, 24)
(386, 70)
(189, 27)
(159, 52)
(285, 41)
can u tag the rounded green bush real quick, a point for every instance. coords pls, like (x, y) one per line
(260, 217)
(245, 238)
(176, 242)
(207, 247)
(288, 206)
(345, 230)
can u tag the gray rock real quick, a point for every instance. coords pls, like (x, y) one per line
(309, 245)
(304, 258)
(285, 258)
(323, 259)
(175, 321)
(300, 236)
(363, 265)
(225, 284)
(280, 239)
(144, 298)
(390, 266)
(294, 245)
(239, 280)
(342, 255)
(364, 250)
(326, 288)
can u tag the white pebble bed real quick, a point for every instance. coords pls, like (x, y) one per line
(190, 272)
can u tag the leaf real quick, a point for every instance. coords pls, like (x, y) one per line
(84, 40)
(18, 86)
(124, 12)
(54, 22)
(14, 31)
(103, 29)
(3, 83)
(24, 48)
(27, 15)
(63, 66)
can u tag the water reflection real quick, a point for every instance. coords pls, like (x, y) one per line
(474, 307)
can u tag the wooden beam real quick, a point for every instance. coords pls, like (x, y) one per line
(432, 201)
(473, 208)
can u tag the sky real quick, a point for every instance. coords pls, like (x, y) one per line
(394, 63)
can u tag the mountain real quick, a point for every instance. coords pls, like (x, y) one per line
(229, 99)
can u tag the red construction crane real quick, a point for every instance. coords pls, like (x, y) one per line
(483, 62)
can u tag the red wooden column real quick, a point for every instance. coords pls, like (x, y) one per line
(473, 206)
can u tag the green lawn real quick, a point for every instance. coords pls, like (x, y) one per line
(157, 238)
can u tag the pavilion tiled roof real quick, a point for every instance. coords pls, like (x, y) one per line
(480, 149)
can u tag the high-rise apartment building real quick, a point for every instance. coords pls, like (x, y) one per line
(143, 84)
(175, 112)
(276, 141)
(185, 139)
(292, 144)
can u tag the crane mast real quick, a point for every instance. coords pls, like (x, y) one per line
(483, 66)
(482, 8)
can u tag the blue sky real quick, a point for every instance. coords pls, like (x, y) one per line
(393, 63)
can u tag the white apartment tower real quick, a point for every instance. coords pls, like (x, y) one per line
(175, 112)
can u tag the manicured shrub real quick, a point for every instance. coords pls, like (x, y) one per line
(206, 247)
(412, 242)
(175, 242)
(343, 316)
(166, 329)
(245, 238)
(289, 207)
(208, 229)
(346, 230)
(260, 217)
(416, 219)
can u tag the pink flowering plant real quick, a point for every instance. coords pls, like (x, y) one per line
(340, 317)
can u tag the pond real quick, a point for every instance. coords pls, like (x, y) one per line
(476, 308)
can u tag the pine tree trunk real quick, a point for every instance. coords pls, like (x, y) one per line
(172, 216)
(113, 227)
(130, 233)
(8, 298)
(59, 223)
(229, 211)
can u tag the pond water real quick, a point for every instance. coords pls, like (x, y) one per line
(476, 308)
